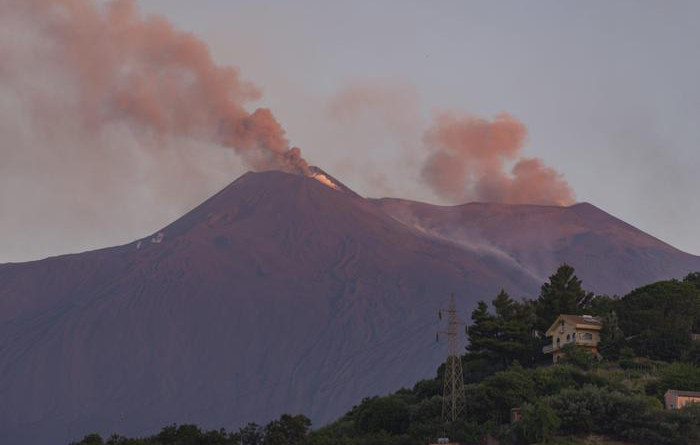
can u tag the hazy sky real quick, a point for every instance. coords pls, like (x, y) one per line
(608, 91)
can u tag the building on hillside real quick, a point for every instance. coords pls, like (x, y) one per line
(516, 415)
(674, 399)
(581, 330)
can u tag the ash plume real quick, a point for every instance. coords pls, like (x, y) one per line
(149, 75)
(114, 124)
(469, 159)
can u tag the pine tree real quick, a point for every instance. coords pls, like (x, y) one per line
(483, 333)
(504, 337)
(612, 339)
(563, 294)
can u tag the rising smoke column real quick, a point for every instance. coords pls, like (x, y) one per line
(469, 159)
(113, 124)
(159, 80)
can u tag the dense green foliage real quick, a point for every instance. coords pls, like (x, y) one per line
(658, 319)
(539, 422)
(646, 343)
(504, 337)
(563, 294)
(288, 430)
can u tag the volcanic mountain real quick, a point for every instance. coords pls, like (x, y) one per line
(611, 256)
(281, 293)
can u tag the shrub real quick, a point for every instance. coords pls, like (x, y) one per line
(578, 356)
(496, 395)
(539, 422)
(389, 414)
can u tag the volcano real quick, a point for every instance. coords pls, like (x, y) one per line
(280, 294)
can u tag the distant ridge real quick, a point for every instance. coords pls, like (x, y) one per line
(610, 255)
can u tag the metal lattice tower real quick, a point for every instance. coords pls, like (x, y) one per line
(453, 401)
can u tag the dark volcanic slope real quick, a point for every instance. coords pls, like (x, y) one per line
(609, 255)
(278, 294)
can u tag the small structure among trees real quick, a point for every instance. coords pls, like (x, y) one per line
(674, 399)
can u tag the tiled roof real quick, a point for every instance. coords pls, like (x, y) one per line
(587, 320)
(583, 319)
(684, 393)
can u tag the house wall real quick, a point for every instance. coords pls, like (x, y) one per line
(670, 401)
(569, 333)
(673, 401)
(681, 401)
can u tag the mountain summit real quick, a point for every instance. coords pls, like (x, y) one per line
(281, 293)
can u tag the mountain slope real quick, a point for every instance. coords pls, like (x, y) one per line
(610, 255)
(278, 294)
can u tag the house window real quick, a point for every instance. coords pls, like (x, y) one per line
(588, 336)
(568, 337)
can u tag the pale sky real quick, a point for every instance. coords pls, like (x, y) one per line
(608, 91)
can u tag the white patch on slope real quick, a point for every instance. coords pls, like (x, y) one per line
(458, 236)
(323, 179)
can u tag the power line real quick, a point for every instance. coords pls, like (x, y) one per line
(453, 398)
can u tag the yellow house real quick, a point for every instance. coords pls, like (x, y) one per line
(581, 330)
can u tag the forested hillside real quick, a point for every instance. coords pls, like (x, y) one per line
(647, 347)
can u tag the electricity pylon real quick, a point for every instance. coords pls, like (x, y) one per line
(453, 401)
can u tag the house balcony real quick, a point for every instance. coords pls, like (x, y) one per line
(588, 343)
(548, 349)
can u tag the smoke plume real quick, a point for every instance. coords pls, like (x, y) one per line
(113, 124)
(367, 114)
(469, 160)
(159, 80)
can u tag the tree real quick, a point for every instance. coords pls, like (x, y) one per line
(493, 398)
(504, 337)
(602, 305)
(179, 434)
(251, 434)
(659, 319)
(515, 322)
(601, 410)
(482, 333)
(679, 376)
(612, 339)
(427, 388)
(288, 430)
(693, 278)
(390, 414)
(563, 294)
(577, 356)
(91, 439)
(539, 422)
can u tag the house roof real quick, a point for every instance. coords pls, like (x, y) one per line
(676, 392)
(583, 321)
